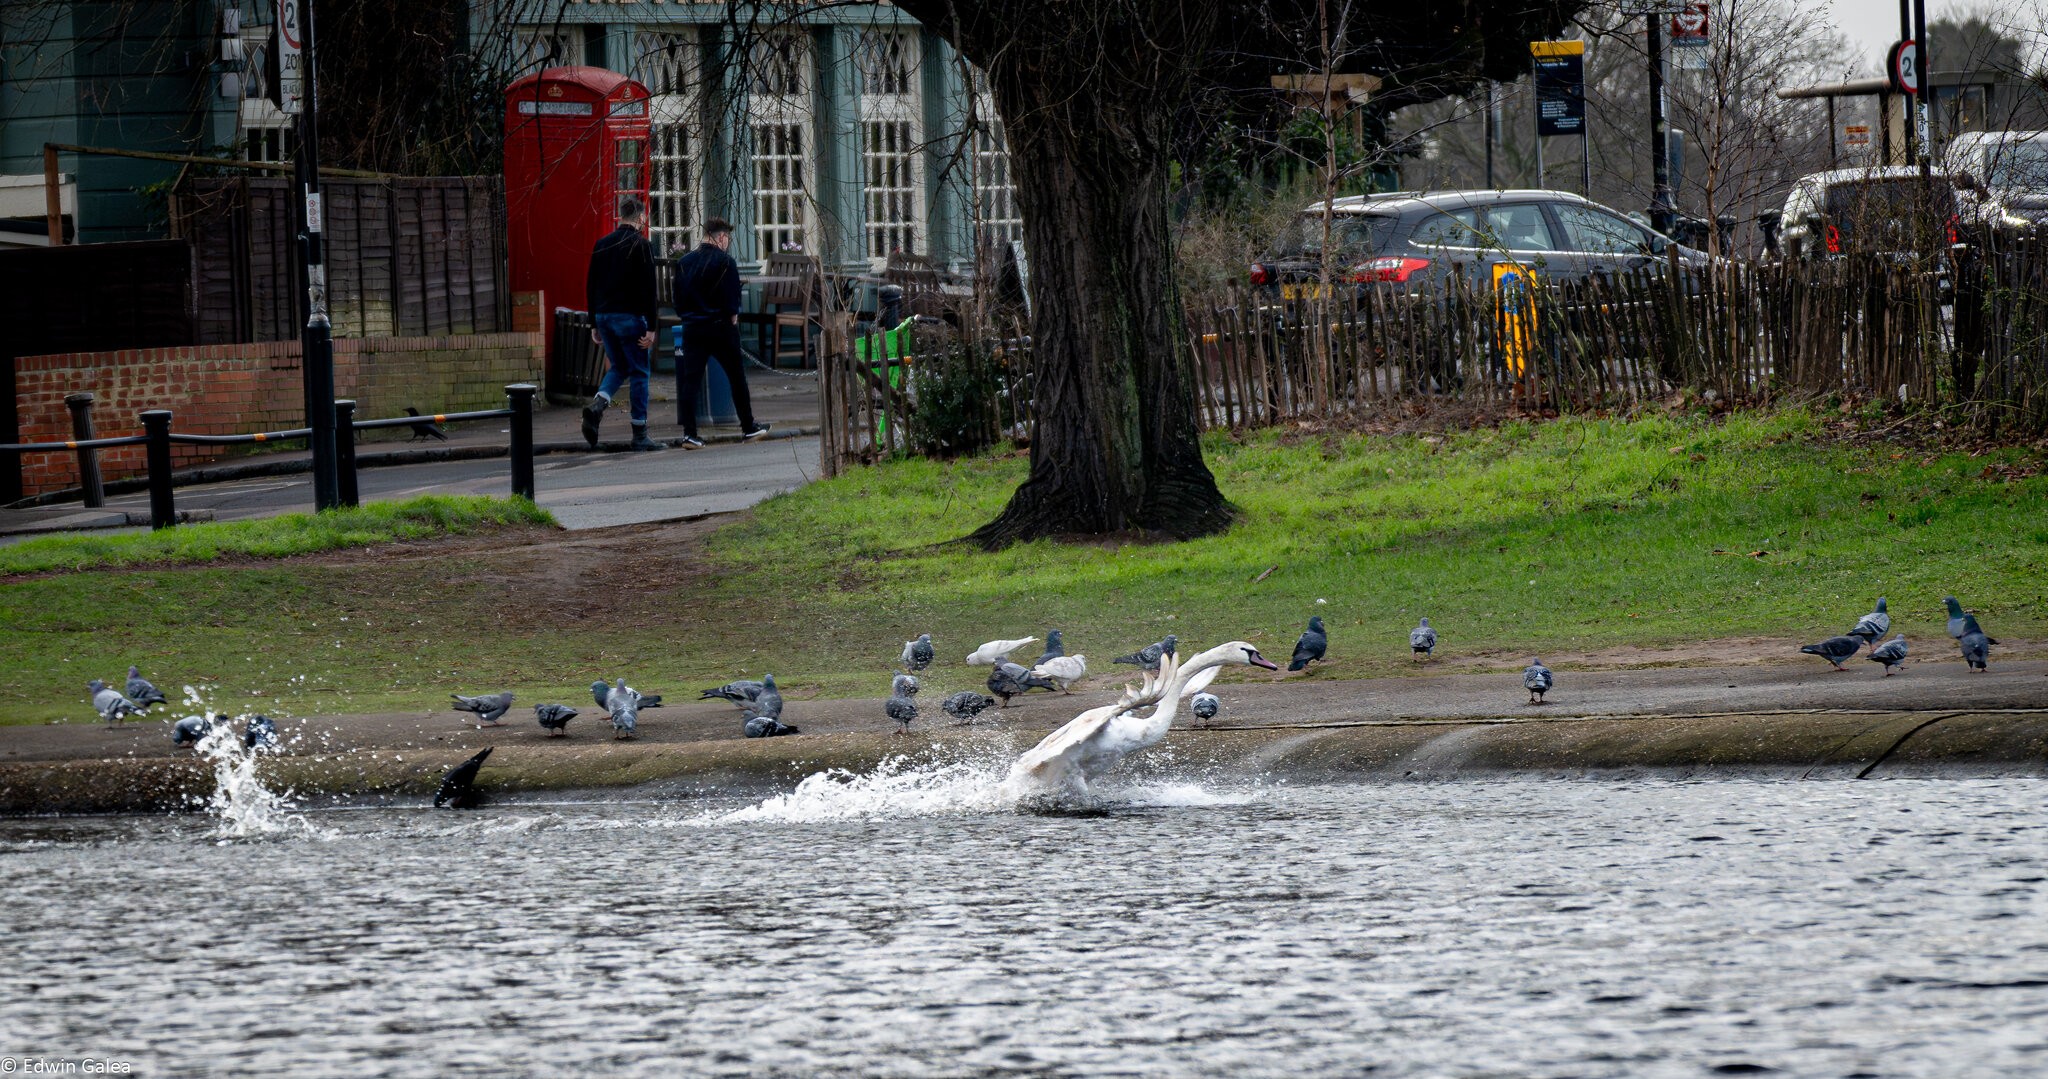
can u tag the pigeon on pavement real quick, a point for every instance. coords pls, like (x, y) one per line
(1537, 679)
(1055, 647)
(426, 428)
(1148, 656)
(261, 733)
(554, 717)
(1009, 680)
(918, 654)
(624, 705)
(742, 693)
(111, 705)
(189, 731)
(1206, 705)
(1960, 621)
(766, 727)
(458, 787)
(1309, 648)
(140, 691)
(899, 706)
(488, 707)
(1422, 640)
(1835, 649)
(1874, 625)
(1062, 671)
(996, 651)
(1891, 653)
(768, 702)
(1976, 649)
(966, 704)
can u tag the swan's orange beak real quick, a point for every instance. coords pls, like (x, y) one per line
(1252, 655)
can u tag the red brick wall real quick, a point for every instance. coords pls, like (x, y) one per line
(236, 389)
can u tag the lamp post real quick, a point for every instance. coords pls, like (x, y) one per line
(316, 342)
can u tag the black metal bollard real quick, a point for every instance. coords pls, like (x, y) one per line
(156, 426)
(345, 452)
(80, 405)
(521, 394)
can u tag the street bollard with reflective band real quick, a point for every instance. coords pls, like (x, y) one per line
(345, 452)
(80, 405)
(521, 394)
(156, 426)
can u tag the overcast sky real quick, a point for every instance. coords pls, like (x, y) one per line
(1872, 25)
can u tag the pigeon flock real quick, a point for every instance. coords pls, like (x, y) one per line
(1871, 628)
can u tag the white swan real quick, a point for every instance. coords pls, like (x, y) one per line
(995, 652)
(1093, 742)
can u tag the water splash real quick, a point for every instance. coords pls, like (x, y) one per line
(242, 807)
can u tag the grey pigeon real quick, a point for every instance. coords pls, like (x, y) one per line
(1206, 705)
(1873, 625)
(1055, 647)
(1537, 679)
(140, 691)
(1148, 656)
(109, 702)
(426, 428)
(766, 727)
(650, 700)
(458, 787)
(1976, 649)
(624, 705)
(1310, 647)
(742, 693)
(1891, 653)
(1835, 650)
(554, 717)
(261, 733)
(1008, 680)
(1960, 622)
(600, 690)
(966, 704)
(899, 706)
(1422, 640)
(768, 702)
(488, 707)
(189, 731)
(918, 654)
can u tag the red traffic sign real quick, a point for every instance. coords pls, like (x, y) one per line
(1689, 27)
(1902, 67)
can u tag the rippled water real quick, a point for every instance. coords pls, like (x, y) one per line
(904, 926)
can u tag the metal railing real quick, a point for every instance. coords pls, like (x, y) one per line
(158, 438)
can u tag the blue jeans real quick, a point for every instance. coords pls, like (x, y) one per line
(629, 362)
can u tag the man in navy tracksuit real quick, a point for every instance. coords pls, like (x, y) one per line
(622, 304)
(707, 302)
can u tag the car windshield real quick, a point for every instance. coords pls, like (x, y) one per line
(1353, 235)
(2018, 166)
(1891, 214)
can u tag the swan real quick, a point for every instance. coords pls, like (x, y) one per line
(1093, 742)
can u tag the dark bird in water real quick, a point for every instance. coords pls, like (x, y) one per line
(555, 717)
(261, 733)
(1148, 656)
(1891, 653)
(966, 704)
(1310, 647)
(109, 703)
(426, 428)
(141, 691)
(1422, 640)
(1537, 679)
(488, 708)
(1835, 650)
(900, 707)
(1055, 647)
(458, 787)
(1874, 625)
(767, 727)
(190, 730)
(918, 654)
(1206, 705)
(1008, 680)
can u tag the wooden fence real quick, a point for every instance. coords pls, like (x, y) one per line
(1972, 337)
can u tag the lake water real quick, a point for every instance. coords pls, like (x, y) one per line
(910, 925)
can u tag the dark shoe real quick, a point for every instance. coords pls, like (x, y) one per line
(641, 443)
(592, 413)
(691, 442)
(755, 432)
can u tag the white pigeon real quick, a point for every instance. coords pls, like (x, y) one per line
(994, 652)
(1063, 671)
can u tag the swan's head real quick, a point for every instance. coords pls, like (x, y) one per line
(1245, 655)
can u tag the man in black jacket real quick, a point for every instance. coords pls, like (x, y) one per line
(622, 304)
(707, 302)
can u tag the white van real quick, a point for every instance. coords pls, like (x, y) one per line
(2008, 171)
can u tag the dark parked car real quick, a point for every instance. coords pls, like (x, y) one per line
(1421, 238)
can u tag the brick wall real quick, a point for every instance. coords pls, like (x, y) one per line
(236, 389)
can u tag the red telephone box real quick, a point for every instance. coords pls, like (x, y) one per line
(576, 141)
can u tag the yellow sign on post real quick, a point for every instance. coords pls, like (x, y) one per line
(1514, 301)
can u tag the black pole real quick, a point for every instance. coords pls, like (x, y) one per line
(1923, 120)
(156, 426)
(345, 452)
(1906, 123)
(1660, 147)
(1492, 127)
(80, 405)
(317, 342)
(521, 394)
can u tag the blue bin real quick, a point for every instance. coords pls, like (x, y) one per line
(714, 395)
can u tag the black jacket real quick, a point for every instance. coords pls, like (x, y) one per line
(622, 276)
(707, 286)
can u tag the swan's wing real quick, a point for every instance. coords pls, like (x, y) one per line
(1079, 731)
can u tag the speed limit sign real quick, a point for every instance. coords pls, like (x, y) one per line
(1902, 65)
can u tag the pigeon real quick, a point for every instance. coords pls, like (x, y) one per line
(555, 717)
(599, 690)
(899, 706)
(650, 700)
(1055, 647)
(1010, 679)
(1960, 621)
(488, 707)
(1206, 705)
(261, 733)
(905, 684)
(1891, 653)
(766, 727)
(624, 705)
(1062, 671)
(1976, 648)
(1873, 625)
(458, 787)
(111, 705)
(1148, 656)
(1835, 650)
(996, 652)
(767, 703)
(140, 691)
(742, 693)
(1422, 640)
(191, 729)
(1537, 679)
(966, 704)
(918, 654)
(426, 428)
(1309, 648)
